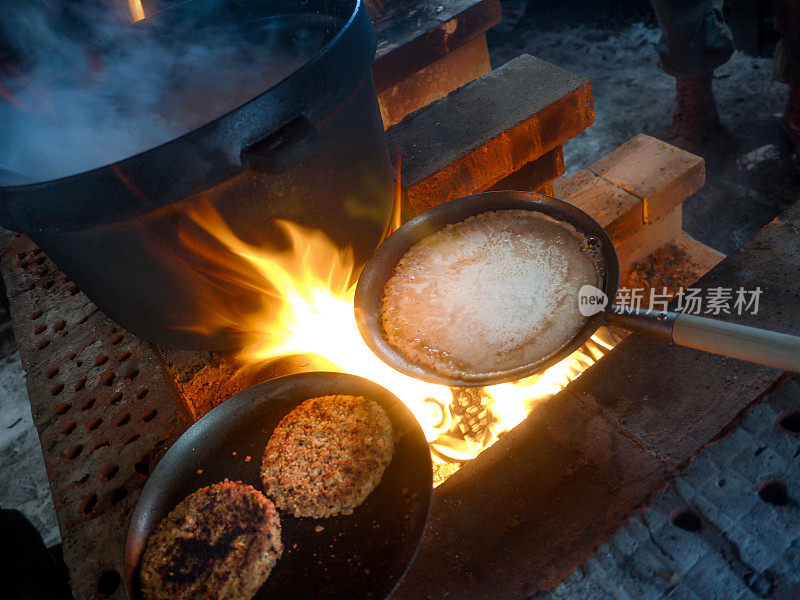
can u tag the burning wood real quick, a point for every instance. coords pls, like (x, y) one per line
(472, 406)
(307, 308)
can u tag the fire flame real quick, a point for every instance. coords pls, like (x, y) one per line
(312, 279)
(136, 9)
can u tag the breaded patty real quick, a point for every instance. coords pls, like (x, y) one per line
(327, 455)
(220, 542)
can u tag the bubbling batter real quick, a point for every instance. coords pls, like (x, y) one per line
(492, 293)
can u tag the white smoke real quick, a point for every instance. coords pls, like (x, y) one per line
(85, 89)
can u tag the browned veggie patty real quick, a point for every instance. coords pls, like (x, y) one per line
(327, 455)
(221, 542)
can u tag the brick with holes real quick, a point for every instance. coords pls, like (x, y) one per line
(93, 389)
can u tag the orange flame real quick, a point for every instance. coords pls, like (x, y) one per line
(311, 279)
(136, 9)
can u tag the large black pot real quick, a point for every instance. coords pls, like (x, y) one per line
(310, 149)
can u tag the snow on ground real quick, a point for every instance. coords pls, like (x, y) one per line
(632, 95)
(23, 480)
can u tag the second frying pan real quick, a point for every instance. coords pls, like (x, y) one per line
(362, 555)
(737, 341)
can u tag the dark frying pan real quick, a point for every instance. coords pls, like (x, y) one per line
(363, 555)
(746, 343)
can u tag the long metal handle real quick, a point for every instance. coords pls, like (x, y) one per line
(719, 337)
(738, 341)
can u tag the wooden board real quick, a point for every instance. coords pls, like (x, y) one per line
(421, 32)
(488, 129)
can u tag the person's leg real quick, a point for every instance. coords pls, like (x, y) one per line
(694, 41)
(787, 22)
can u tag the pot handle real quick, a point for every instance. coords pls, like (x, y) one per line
(283, 148)
(719, 337)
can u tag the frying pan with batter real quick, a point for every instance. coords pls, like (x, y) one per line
(720, 337)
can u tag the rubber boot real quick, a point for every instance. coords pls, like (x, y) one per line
(695, 117)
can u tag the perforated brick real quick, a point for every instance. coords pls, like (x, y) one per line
(102, 407)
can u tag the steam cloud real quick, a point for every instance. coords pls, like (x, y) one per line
(83, 89)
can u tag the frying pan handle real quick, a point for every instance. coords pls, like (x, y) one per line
(738, 341)
(283, 148)
(719, 337)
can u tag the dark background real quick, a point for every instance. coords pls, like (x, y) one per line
(750, 178)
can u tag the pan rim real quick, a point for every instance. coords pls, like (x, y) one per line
(377, 271)
(223, 418)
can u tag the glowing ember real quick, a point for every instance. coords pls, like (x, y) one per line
(313, 279)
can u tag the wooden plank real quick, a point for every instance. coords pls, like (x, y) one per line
(635, 192)
(435, 81)
(660, 174)
(616, 210)
(421, 32)
(489, 129)
(536, 175)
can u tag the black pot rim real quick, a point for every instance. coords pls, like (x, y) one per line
(48, 206)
